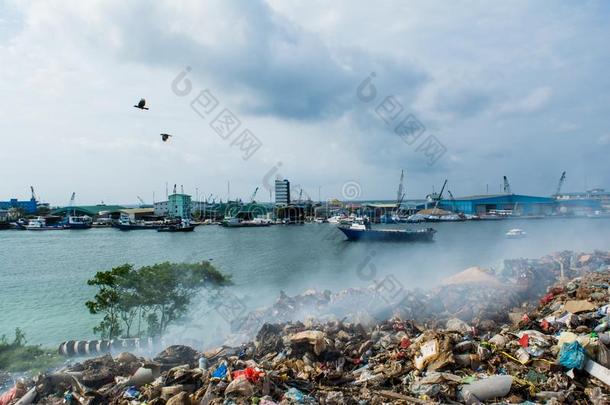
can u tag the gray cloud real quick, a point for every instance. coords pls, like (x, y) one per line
(508, 89)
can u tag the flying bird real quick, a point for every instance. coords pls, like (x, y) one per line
(165, 137)
(141, 105)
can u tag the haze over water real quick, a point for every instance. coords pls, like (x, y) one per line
(43, 274)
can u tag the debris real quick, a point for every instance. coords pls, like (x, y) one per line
(577, 307)
(314, 337)
(572, 355)
(496, 386)
(508, 334)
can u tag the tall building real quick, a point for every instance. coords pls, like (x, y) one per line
(179, 206)
(282, 192)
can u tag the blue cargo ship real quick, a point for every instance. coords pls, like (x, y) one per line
(361, 229)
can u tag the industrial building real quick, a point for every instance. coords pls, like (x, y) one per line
(139, 214)
(28, 206)
(94, 211)
(161, 208)
(514, 204)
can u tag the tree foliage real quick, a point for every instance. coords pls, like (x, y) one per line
(150, 298)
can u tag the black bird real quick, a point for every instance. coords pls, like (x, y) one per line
(141, 105)
(165, 137)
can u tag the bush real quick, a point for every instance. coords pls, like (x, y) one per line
(18, 356)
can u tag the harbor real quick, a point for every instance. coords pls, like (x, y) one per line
(181, 212)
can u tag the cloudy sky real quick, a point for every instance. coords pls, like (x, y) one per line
(514, 88)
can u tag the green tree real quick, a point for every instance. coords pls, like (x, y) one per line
(155, 296)
(110, 299)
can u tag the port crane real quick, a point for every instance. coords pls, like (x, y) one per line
(400, 195)
(33, 193)
(506, 186)
(142, 203)
(440, 195)
(452, 200)
(254, 194)
(562, 180)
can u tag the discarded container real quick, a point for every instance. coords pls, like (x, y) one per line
(496, 386)
(203, 363)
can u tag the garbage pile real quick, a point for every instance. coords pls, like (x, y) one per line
(552, 350)
(474, 295)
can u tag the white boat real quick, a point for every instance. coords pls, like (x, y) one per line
(334, 219)
(79, 222)
(40, 224)
(416, 218)
(516, 234)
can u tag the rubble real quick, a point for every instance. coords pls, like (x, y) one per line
(550, 346)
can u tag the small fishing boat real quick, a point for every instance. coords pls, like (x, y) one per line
(361, 229)
(234, 222)
(78, 222)
(183, 226)
(516, 234)
(125, 224)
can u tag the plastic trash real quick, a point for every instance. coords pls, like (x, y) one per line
(524, 341)
(250, 373)
(8, 396)
(131, 393)
(141, 377)
(221, 371)
(603, 355)
(496, 386)
(297, 396)
(572, 355)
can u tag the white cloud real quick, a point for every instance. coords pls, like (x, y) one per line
(531, 103)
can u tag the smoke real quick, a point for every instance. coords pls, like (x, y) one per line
(382, 273)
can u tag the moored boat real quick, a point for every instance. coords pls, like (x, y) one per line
(234, 222)
(78, 222)
(125, 224)
(40, 224)
(361, 229)
(183, 226)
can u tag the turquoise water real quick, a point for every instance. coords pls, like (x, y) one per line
(43, 274)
